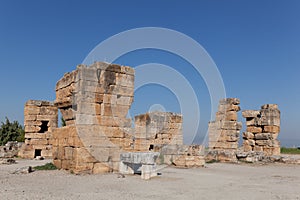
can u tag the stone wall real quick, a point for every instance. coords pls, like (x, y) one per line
(94, 102)
(224, 131)
(162, 132)
(40, 118)
(182, 155)
(263, 127)
(156, 129)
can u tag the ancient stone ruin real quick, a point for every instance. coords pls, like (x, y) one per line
(40, 118)
(224, 131)
(10, 149)
(94, 102)
(155, 129)
(263, 127)
(99, 137)
(183, 155)
(259, 140)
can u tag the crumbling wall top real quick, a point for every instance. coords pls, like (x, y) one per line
(39, 103)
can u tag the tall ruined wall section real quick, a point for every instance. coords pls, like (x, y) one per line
(224, 131)
(94, 101)
(155, 129)
(40, 119)
(263, 127)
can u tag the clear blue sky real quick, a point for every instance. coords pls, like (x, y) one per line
(255, 45)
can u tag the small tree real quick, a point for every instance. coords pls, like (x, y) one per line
(11, 131)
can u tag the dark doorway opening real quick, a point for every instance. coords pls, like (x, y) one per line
(37, 152)
(44, 127)
(151, 147)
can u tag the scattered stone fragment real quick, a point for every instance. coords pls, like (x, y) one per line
(8, 161)
(23, 170)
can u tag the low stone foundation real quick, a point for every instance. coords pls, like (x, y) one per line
(182, 155)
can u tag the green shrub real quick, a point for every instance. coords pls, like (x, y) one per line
(11, 131)
(286, 150)
(48, 166)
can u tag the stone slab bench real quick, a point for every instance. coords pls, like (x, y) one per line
(139, 162)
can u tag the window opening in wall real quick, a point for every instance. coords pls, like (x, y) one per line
(44, 127)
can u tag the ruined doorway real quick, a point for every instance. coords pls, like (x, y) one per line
(37, 152)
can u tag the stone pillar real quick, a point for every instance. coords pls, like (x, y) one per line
(40, 118)
(263, 127)
(225, 130)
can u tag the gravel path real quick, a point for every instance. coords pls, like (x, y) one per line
(216, 181)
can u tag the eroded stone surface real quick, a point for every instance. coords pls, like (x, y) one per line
(94, 102)
(40, 119)
(224, 131)
(263, 127)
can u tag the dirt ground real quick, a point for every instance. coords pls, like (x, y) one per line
(215, 181)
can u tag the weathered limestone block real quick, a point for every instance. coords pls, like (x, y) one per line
(221, 155)
(248, 135)
(227, 116)
(247, 147)
(229, 101)
(250, 113)
(250, 142)
(182, 155)
(258, 148)
(225, 136)
(268, 143)
(188, 161)
(225, 145)
(272, 151)
(270, 117)
(253, 121)
(100, 168)
(254, 129)
(262, 136)
(225, 125)
(131, 162)
(271, 129)
(270, 106)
